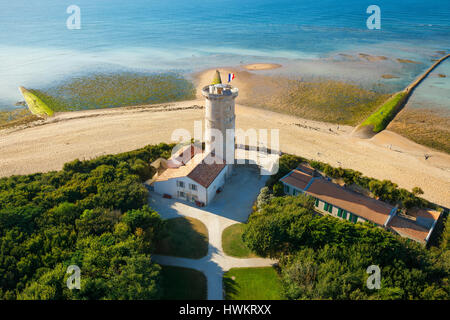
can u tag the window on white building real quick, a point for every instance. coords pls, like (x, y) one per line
(181, 194)
(193, 186)
(180, 184)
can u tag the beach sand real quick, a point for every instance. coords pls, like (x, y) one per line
(389, 76)
(372, 58)
(408, 61)
(262, 66)
(46, 145)
(429, 127)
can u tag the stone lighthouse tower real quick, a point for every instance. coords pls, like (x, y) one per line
(220, 120)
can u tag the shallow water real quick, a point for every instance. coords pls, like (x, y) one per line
(38, 51)
(434, 91)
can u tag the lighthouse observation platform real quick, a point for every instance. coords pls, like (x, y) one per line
(219, 91)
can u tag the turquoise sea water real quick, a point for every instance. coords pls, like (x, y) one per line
(37, 50)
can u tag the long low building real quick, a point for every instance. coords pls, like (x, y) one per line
(343, 203)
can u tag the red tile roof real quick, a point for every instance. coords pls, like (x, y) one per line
(363, 206)
(371, 209)
(191, 162)
(306, 169)
(297, 179)
(409, 229)
(424, 213)
(187, 154)
(205, 173)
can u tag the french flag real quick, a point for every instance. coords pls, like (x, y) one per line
(230, 76)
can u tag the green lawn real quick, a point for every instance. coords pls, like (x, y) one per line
(252, 284)
(186, 237)
(183, 284)
(232, 243)
(384, 114)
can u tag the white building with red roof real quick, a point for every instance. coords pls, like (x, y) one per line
(190, 175)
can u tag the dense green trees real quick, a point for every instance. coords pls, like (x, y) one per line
(322, 257)
(325, 258)
(92, 214)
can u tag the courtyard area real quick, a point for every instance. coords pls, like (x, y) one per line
(233, 205)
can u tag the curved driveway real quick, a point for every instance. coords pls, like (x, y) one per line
(232, 205)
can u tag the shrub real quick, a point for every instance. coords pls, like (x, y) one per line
(93, 213)
(322, 257)
(264, 197)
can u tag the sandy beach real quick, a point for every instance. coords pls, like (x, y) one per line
(262, 66)
(47, 144)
